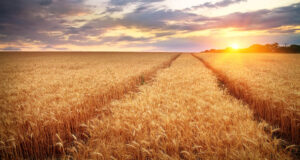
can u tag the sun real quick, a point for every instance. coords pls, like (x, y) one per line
(235, 46)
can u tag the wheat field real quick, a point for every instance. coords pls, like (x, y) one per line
(270, 83)
(183, 114)
(45, 96)
(138, 106)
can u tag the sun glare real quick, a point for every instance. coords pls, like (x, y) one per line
(235, 46)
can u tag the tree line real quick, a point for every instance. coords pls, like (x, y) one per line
(259, 48)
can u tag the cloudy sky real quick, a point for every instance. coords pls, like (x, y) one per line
(146, 25)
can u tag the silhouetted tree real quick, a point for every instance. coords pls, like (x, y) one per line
(258, 48)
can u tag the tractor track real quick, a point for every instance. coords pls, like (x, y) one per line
(37, 148)
(255, 104)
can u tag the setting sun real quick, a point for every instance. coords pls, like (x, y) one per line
(235, 46)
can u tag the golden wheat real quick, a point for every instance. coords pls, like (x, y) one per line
(46, 97)
(182, 114)
(268, 82)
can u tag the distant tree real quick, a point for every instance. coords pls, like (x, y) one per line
(272, 47)
(258, 48)
(295, 48)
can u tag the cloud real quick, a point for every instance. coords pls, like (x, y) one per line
(10, 49)
(125, 2)
(113, 9)
(33, 20)
(46, 23)
(151, 18)
(12, 8)
(147, 19)
(68, 8)
(45, 2)
(123, 38)
(262, 19)
(184, 21)
(223, 3)
(163, 34)
(50, 47)
(132, 39)
(119, 5)
(141, 8)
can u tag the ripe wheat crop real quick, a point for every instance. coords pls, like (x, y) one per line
(181, 114)
(45, 98)
(270, 83)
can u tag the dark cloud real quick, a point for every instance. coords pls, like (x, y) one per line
(163, 34)
(113, 9)
(13, 8)
(131, 39)
(32, 20)
(95, 27)
(120, 5)
(287, 31)
(50, 47)
(141, 8)
(125, 2)
(45, 2)
(151, 18)
(184, 21)
(67, 8)
(223, 3)
(123, 38)
(10, 49)
(262, 19)
(147, 19)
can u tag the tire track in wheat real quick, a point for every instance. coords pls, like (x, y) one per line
(262, 108)
(55, 137)
(182, 114)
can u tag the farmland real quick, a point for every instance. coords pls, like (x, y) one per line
(268, 82)
(183, 114)
(48, 96)
(146, 105)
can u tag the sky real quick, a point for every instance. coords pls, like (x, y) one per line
(146, 25)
